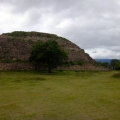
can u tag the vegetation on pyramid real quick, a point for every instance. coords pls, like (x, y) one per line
(15, 49)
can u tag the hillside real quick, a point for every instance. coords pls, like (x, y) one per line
(103, 60)
(15, 48)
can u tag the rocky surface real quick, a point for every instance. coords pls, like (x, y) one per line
(15, 48)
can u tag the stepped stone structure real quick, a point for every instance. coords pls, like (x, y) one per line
(15, 50)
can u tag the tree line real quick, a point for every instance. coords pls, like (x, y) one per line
(114, 64)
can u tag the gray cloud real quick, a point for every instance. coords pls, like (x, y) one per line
(94, 25)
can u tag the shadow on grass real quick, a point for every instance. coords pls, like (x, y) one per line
(117, 75)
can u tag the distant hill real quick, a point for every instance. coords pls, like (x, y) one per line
(103, 60)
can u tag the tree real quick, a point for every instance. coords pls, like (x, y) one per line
(117, 65)
(49, 54)
(113, 63)
(106, 64)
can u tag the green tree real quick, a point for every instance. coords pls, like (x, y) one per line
(113, 63)
(117, 65)
(105, 64)
(49, 54)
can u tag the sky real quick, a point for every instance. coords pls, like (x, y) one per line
(94, 25)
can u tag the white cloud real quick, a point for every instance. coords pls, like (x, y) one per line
(65, 23)
(103, 53)
(94, 25)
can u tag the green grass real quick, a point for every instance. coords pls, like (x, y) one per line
(66, 95)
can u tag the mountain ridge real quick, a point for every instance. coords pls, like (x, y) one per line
(104, 60)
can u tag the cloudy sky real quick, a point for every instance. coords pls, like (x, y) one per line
(94, 25)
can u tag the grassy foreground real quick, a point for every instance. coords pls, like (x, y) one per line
(67, 95)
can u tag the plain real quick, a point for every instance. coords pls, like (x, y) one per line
(61, 95)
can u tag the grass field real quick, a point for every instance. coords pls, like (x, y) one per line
(66, 95)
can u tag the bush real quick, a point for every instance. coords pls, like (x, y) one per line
(117, 75)
(72, 63)
(80, 63)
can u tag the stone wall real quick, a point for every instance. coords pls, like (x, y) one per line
(84, 67)
(27, 66)
(15, 66)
